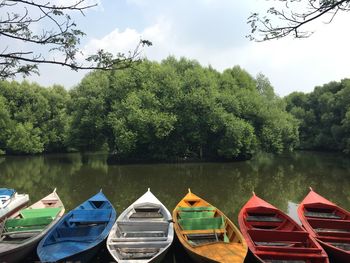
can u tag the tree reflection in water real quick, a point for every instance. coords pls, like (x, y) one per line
(282, 180)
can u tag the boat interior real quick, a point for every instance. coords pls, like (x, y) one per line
(331, 225)
(27, 224)
(139, 239)
(84, 224)
(142, 233)
(271, 232)
(146, 212)
(202, 225)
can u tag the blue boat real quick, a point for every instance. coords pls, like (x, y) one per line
(79, 234)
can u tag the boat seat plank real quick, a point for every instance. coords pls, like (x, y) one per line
(201, 223)
(329, 230)
(133, 239)
(322, 215)
(40, 212)
(80, 233)
(204, 231)
(197, 208)
(290, 249)
(146, 208)
(144, 234)
(196, 214)
(276, 244)
(213, 236)
(77, 239)
(27, 222)
(86, 216)
(138, 250)
(262, 218)
(146, 214)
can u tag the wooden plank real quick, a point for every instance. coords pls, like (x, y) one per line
(322, 215)
(263, 219)
(140, 239)
(144, 234)
(329, 230)
(275, 244)
(138, 250)
(146, 214)
(188, 232)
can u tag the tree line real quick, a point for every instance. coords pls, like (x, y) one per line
(324, 116)
(175, 109)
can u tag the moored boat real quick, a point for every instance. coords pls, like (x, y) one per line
(21, 233)
(206, 233)
(80, 233)
(11, 202)
(142, 233)
(328, 223)
(273, 236)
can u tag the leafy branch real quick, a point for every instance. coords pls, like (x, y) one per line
(57, 34)
(279, 23)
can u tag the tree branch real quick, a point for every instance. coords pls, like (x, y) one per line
(294, 20)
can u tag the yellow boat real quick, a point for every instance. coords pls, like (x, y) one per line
(206, 233)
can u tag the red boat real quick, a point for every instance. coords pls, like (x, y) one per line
(328, 223)
(273, 236)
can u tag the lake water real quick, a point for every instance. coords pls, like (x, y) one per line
(281, 180)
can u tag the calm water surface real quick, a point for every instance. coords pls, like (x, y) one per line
(281, 180)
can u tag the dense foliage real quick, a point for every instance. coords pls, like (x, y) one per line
(33, 119)
(172, 109)
(324, 116)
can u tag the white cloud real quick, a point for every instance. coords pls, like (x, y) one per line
(174, 30)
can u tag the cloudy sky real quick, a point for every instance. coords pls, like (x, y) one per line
(212, 32)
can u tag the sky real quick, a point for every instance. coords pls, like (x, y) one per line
(212, 32)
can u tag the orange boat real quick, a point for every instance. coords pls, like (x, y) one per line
(273, 236)
(206, 233)
(328, 223)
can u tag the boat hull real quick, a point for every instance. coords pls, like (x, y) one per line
(225, 245)
(322, 219)
(274, 236)
(65, 243)
(18, 253)
(134, 231)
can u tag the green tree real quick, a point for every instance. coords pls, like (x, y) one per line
(25, 139)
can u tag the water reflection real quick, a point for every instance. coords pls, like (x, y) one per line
(281, 180)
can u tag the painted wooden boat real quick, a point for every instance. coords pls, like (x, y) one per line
(80, 233)
(206, 233)
(142, 233)
(11, 202)
(328, 223)
(273, 236)
(21, 233)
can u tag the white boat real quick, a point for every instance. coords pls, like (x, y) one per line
(142, 233)
(11, 202)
